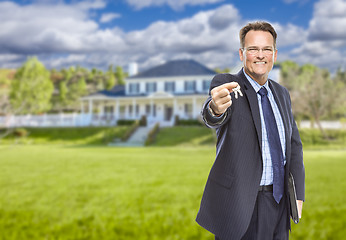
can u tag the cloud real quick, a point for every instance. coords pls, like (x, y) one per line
(289, 35)
(329, 20)
(107, 17)
(42, 28)
(174, 4)
(67, 34)
(325, 43)
(223, 17)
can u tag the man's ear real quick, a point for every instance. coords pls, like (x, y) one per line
(275, 56)
(241, 54)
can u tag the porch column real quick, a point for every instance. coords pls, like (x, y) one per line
(134, 108)
(175, 108)
(194, 108)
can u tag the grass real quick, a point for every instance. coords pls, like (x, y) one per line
(66, 136)
(185, 136)
(66, 192)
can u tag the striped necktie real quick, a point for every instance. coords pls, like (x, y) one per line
(274, 145)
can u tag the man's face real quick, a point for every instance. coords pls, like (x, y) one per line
(258, 55)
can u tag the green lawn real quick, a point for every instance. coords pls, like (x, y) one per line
(64, 136)
(69, 192)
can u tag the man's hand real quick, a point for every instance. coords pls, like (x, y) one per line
(300, 208)
(221, 98)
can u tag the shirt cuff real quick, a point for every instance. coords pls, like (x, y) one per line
(218, 119)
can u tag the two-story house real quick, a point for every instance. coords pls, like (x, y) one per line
(176, 88)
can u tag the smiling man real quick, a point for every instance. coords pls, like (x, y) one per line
(258, 146)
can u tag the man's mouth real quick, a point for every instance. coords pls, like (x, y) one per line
(260, 62)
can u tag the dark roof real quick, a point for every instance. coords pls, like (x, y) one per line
(176, 68)
(118, 90)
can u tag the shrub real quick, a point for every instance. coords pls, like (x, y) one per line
(152, 134)
(188, 122)
(124, 122)
(20, 132)
(143, 121)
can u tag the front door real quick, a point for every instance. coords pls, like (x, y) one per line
(168, 113)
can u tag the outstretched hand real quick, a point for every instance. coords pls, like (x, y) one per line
(221, 98)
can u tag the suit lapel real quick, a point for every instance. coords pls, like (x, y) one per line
(280, 102)
(253, 102)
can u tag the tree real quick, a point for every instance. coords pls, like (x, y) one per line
(339, 82)
(225, 70)
(120, 75)
(31, 89)
(315, 95)
(110, 78)
(6, 110)
(312, 93)
(63, 92)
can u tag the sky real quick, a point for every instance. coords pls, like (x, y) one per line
(98, 33)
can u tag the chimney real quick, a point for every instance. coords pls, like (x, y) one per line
(132, 69)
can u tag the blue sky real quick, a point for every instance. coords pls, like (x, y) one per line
(97, 33)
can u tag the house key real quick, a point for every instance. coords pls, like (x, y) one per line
(236, 90)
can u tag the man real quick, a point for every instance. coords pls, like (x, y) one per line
(258, 145)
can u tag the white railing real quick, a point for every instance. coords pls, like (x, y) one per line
(57, 120)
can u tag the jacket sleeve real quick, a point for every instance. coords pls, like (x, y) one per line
(209, 120)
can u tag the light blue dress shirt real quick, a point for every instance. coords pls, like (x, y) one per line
(267, 174)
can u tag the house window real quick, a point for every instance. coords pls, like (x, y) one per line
(150, 87)
(206, 85)
(190, 86)
(134, 88)
(169, 87)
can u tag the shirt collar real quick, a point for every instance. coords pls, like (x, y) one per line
(256, 86)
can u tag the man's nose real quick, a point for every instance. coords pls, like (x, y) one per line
(260, 54)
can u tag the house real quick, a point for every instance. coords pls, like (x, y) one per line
(176, 88)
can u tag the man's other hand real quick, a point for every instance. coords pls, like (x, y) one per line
(300, 208)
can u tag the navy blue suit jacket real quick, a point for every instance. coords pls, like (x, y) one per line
(230, 193)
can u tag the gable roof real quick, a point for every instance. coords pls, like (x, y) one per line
(176, 68)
